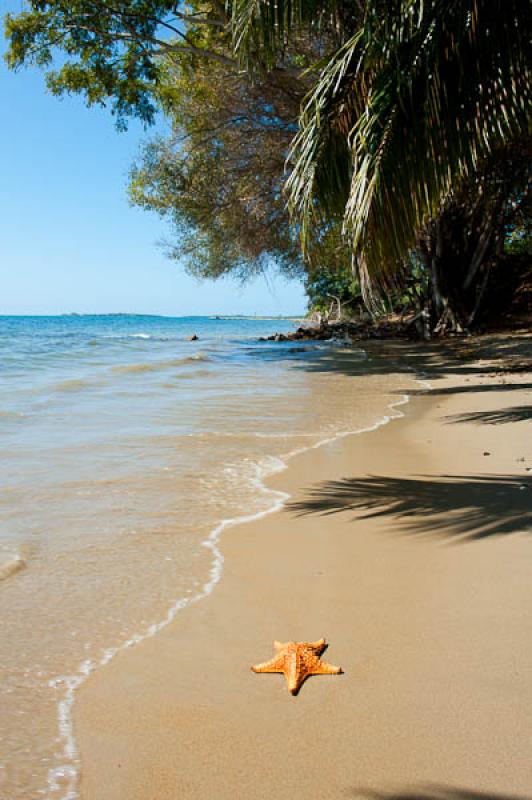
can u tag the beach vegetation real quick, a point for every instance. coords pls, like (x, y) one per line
(401, 133)
(217, 176)
(333, 293)
(111, 51)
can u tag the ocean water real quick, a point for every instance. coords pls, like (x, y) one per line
(126, 451)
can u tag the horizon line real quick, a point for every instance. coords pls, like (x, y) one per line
(213, 316)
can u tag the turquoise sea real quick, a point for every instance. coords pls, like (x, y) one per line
(126, 452)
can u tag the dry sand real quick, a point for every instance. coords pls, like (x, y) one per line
(410, 550)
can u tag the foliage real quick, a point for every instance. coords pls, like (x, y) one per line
(328, 287)
(406, 109)
(519, 242)
(462, 245)
(518, 222)
(111, 49)
(220, 174)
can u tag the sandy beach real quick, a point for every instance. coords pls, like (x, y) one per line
(409, 549)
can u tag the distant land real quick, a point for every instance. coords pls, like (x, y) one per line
(256, 316)
(294, 317)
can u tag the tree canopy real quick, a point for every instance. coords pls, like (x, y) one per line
(218, 176)
(405, 110)
(111, 51)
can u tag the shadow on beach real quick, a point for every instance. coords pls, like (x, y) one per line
(497, 417)
(501, 357)
(481, 387)
(435, 793)
(455, 506)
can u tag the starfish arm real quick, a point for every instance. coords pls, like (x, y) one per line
(273, 665)
(327, 669)
(318, 647)
(294, 674)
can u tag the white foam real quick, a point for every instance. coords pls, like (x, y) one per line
(13, 562)
(66, 775)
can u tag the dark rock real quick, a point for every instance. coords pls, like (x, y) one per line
(361, 329)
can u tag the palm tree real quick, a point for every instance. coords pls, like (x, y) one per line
(416, 99)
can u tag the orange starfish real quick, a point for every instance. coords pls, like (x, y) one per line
(298, 660)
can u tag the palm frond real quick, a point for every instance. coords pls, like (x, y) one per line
(261, 28)
(405, 111)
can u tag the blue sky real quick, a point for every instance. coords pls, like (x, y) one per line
(69, 241)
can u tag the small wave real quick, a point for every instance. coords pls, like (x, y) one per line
(11, 414)
(213, 434)
(72, 385)
(153, 366)
(10, 565)
(198, 373)
(185, 376)
(123, 337)
(137, 367)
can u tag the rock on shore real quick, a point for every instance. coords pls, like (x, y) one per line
(391, 328)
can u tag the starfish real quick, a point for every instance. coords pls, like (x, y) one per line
(298, 660)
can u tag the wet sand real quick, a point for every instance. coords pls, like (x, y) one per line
(409, 548)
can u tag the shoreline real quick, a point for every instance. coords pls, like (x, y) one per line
(68, 772)
(107, 716)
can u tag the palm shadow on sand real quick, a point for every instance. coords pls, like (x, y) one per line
(498, 417)
(465, 507)
(434, 793)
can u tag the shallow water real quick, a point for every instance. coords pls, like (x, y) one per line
(124, 447)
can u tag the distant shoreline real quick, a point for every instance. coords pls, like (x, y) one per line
(290, 318)
(232, 317)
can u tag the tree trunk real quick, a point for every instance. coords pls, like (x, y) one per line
(457, 256)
